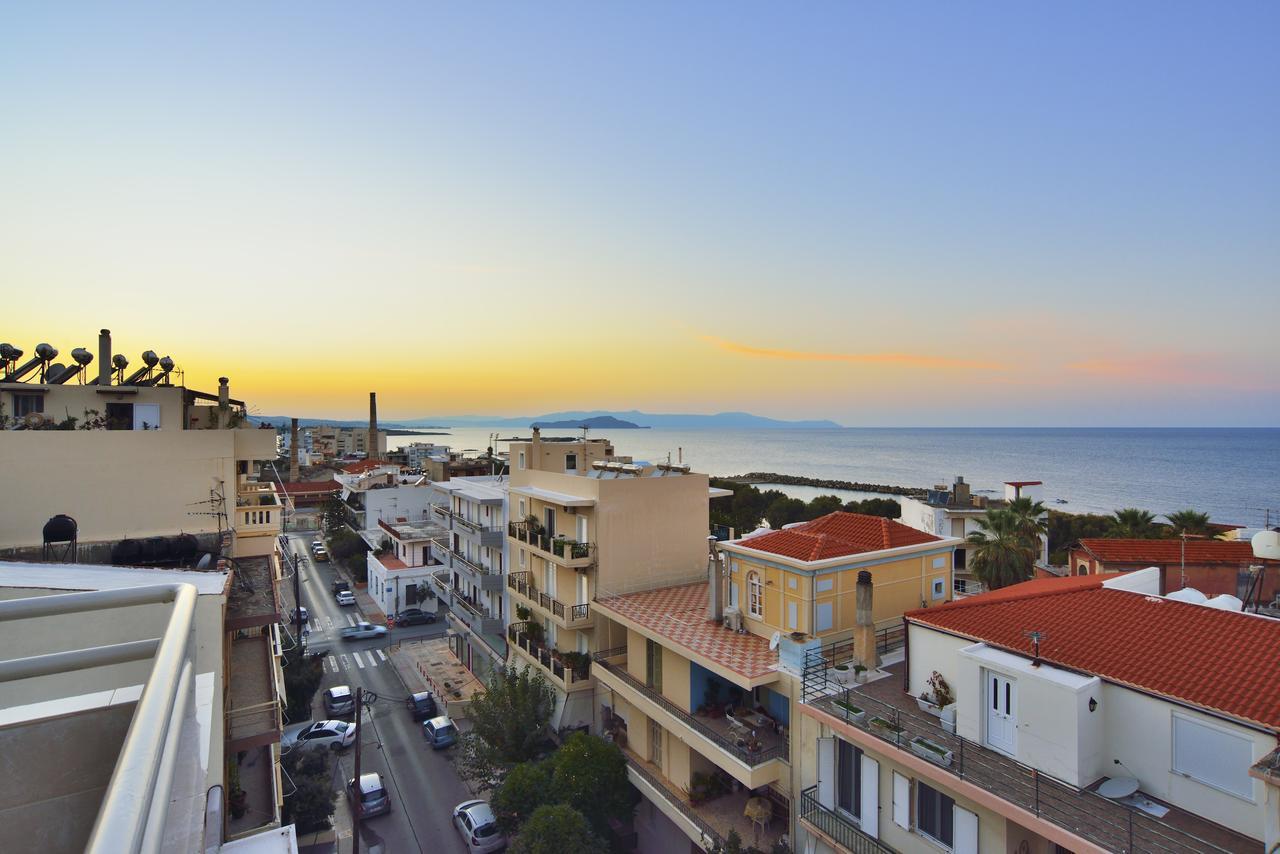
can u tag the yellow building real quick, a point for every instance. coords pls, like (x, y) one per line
(702, 679)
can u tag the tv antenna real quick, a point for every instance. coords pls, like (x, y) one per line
(1035, 637)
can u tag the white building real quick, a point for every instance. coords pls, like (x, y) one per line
(378, 492)
(400, 576)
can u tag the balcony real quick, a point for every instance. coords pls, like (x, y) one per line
(559, 550)
(252, 598)
(563, 615)
(547, 659)
(836, 827)
(716, 738)
(489, 579)
(489, 536)
(1081, 812)
(253, 696)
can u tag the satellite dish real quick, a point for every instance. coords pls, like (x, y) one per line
(775, 640)
(1266, 545)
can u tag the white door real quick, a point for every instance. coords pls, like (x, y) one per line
(1002, 710)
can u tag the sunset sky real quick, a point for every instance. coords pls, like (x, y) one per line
(882, 214)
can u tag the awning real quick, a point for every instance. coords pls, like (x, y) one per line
(562, 498)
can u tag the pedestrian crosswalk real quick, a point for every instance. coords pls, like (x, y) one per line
(360, 659)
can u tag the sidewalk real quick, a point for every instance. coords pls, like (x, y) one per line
(432, 665)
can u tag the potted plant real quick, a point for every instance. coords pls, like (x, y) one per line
(938, 697)
(931, 750)
(856, 714)
(523, 613)
(860, 674)
(886, 728)
(842, 674)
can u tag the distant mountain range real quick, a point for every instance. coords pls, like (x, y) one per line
(599, 422)
(564, 420)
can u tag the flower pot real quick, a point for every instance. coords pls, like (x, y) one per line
(853, 713)
(948, 719)
(842, 677)
(928, 708)
(936, 753)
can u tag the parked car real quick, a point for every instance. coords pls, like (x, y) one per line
(338, 585)
(440, 732)
(370, 796)
(321, 553)
(333, 735)
(339, 701)
(346, 597)
(414, 617)
(362, 630)
(316, 544)
(478, 826)
(421, 706)
(301, 613)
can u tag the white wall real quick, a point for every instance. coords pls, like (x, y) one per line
(386, 505)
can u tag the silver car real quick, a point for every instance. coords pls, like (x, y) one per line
(339, 701)
(478, 826)
(332, 735)
(370, 797)
(360, 631)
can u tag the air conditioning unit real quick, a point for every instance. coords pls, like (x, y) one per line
(733, 618)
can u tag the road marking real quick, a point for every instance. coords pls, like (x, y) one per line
(359, 663)
(382, 655)
(333, 662)
(351, 620)
(329, 622)
(343, 656)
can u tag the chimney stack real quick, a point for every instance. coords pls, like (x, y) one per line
(373, 426)
(864, 632)
(715, 592)
(293, 450)
(104, 357)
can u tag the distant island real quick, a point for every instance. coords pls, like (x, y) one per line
(598, 422)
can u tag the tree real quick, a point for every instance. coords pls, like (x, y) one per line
(1191, 523)
(508, 722)
(333, 515)
(889, 508)
(523, 790)
(1132, 524)
(783, 511)
(590, 775)
(310, 803)
(1001, 554)
(1066, 529)
(558, 829)
(302, 678)
(822, 505)
(1030, 518)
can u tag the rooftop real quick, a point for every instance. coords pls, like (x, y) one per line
(85, 576)
(1232, 552)
(836, 535)
(678, 616)
(302, 487)
(367, 465)
(1125, 637)
(412, 532)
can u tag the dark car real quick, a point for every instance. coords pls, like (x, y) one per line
(414, 617)
(421, 706)
(337, 585)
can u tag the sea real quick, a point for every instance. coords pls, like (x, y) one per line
(1231, 473)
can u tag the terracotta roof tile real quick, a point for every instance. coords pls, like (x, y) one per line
(837, 535)
(1220, 660)
(679, 614)
(1154, 552)
(392, 562)
(364, 466)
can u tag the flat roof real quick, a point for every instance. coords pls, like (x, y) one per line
(562, 498)
(92, 576)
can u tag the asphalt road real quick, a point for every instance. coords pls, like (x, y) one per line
(423, 784)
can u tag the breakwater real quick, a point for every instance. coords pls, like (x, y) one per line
(757, 477)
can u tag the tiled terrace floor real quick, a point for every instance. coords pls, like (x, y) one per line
(1082, 812)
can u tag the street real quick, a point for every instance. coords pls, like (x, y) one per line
(423, 784)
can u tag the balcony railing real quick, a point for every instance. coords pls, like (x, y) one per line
(545, 656)
(837, 827)
(467, 563)
(750, 758)
(563, 550)
(569, 615)
(684, 807)
(1081, 812)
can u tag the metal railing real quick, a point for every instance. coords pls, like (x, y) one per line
(561, 547)
(836, 826)
(579, 612)
(135, 805)
(545, 656)
(750, 758)
(521, 582)
(1081, 812)
(709, 834)
(477, 568)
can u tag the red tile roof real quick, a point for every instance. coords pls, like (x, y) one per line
(1220, 660)
(1155, 552)
(1024, 483)
(390, 561)
(837, 535)
(679, 614)
(364, 466)
(297, 487)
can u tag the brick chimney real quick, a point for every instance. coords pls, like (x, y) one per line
(373, 426)
(293, 450)
(104, 357)
(864, 631)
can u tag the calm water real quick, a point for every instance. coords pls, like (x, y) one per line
(1233, 474)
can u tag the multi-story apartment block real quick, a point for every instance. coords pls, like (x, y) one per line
(472, 558)
(1084, 715)
(375, 492)
(401, 566)
(158, 475)
(331, 441)
(703, 694)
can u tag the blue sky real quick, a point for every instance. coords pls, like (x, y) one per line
(878, 213)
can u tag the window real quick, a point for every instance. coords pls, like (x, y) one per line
(25, 404)
(655, 743)
(1083, 570)
(823, 617)
(755, 595)
(522, 463)
(849, 778)
(733, 595)
(1212, 755)
(793, 616)
(824, 585)
(939, 562)
(939, 588)
(522, 558)
(934, 814)
(653, 664)
(570, 462)
(522, 510)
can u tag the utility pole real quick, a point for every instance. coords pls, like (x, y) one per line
(297, 596)
(357, 796)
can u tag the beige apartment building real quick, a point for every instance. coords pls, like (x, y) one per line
(330, 442)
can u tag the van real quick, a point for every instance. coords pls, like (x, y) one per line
(440, 732)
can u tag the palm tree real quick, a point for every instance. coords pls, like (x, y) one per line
(1000, 551)
(1132, 524)
(1032, 521)
(1190, 522)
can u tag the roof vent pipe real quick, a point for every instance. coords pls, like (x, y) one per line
(104, 357)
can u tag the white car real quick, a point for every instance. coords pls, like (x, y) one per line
(346, 597)
(360, 631)
(479, 829)
(333, 735)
